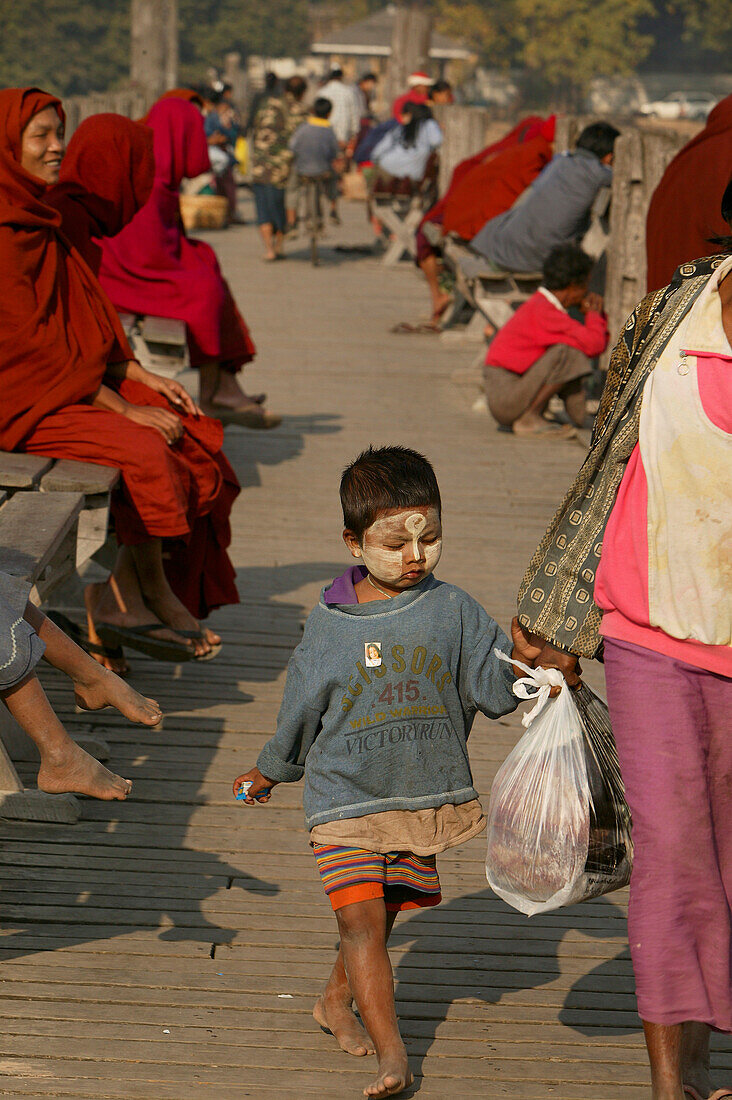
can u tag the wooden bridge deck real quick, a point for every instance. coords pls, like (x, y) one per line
(172, 946)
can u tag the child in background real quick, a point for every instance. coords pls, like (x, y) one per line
(380, 698)
(542, 351)
(26, 635)
(314, 143)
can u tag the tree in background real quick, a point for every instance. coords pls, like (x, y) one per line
(211, 28)
(567, 43)
(66, 46)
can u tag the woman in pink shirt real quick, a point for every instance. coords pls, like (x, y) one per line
(639, 560)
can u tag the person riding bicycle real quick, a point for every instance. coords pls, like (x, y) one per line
(315, 147)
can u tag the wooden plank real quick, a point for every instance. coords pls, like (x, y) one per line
(34, 536)
(90, 478)
(19, 471)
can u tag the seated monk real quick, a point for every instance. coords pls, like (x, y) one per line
(684, 218)
(106, 177)
(483, 193)
(153, 267)
(58, 334)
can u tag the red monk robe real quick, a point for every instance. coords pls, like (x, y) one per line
(152, 267)
(58, 331)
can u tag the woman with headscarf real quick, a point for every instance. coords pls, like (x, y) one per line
(152, 267)
(106, 177)
(58, 334)
(635, 570)
(684, 216)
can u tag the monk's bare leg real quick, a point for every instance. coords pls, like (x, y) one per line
(94, 687)
(65, 767)
(120, 601)
(334, 1009)
(160, 597)
(664, 1053)
(430, 266)
(221, 387)
(368, 969)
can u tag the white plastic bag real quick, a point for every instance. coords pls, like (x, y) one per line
(558, 824)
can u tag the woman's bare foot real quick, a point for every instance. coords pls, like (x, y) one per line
(71, 770)
(107, 690)
(439, 305)
(337, 1017)
(394, 1075)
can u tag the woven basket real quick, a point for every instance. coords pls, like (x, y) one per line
(204, 211)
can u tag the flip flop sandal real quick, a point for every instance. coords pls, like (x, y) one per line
(719, 1094)
(256, 418)
(75, 632)
(198, 636)
(552, 431)
(138, 637)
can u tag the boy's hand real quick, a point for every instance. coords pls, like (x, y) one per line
(259, 783)
(593, 303)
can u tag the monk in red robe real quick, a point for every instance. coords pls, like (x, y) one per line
(153, 267)
(58, 334)
(106, 176)
(684, 217)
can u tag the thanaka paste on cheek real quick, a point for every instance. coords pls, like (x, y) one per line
(389, 566)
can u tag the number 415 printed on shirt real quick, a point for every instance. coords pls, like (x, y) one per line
(401, 693)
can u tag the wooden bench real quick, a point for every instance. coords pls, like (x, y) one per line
(160, 344)
(53, 518)
(400, 207)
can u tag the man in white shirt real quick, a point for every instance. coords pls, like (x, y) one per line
(345, 116)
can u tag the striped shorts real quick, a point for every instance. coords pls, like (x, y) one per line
(403, 880)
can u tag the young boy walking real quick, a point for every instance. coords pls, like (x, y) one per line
(380, 698)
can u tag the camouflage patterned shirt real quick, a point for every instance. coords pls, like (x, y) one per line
(274, 124)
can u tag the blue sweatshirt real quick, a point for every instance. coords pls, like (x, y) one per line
(388, 732)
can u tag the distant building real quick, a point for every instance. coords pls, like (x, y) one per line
(367, 45)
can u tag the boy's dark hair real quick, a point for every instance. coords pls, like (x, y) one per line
(441, 86)
(598, 138)
(565, 265)
(322, 107)
(382, 479)
(368, 76)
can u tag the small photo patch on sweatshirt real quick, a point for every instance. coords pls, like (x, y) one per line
(372, 654)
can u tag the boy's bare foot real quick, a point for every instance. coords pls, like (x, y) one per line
(71, 770)
(394, 1076)
(337, 1017)
(107, 690)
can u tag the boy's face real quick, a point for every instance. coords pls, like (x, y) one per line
(401, 547)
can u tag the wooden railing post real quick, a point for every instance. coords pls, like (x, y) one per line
(154, 46)
(464, 134)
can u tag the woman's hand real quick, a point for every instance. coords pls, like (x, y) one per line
(167, 423)
(535, 651)
(179, 398)
(567, 663)
(260, 788)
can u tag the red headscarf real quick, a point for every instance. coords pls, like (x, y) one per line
(685, 208)
(187, 94)
(56, 324)
(106, 177)
(152, 267)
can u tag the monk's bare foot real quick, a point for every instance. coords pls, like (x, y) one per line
(169, 609)
(71, 770)
(337, 1017)
(102, 607)
(394, 1075)
(439, 306)
(107, 690)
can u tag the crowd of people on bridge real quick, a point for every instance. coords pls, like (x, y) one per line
(634, 568)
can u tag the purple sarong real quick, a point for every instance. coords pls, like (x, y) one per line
(673, 727)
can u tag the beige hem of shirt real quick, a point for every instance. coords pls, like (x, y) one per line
(422, 832)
